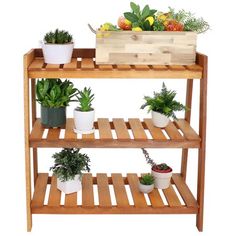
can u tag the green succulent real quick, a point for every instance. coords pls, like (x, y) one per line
(68, 163)
(164, 103)
(58, 37)
(55, 92)
(85, 99)
(147, 179)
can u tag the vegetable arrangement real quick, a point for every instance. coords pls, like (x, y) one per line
(148, 19)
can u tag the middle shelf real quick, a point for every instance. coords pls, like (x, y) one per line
(117, 134)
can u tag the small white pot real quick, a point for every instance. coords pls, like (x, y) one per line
(159, 120)
(57, 53)
(84, 121)
(145, 188)
(70, 186)
(162, 180)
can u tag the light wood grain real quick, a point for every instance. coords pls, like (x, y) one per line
(54, 194)
(137, 129)
(173, 132)
(171, 197)
(87, 191)
(69, 131)
(104, 128)
(156, 132)
(121, 129)
(87, 64)
(71, 200)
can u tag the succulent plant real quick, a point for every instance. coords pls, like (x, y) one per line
(85, 99)
(58, 37)
(147, 179)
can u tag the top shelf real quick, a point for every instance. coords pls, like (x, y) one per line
(83, 65)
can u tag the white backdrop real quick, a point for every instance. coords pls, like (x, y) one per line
(23, 24)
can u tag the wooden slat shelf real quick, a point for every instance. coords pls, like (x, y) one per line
(178, 134)
(53, 204)
(83, 65)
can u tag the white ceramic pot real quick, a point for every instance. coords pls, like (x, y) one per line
(84, 121)
(57, 53)
(159, 120)
(70, 186)
(162, 180)
(146, 188)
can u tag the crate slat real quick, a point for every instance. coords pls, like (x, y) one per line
(103, 191)
(141, 67)
(53, 134)
(105, 67)
(156, 132)
(123, 67)
(159, 67)
(171, 197)
(71, 200)
(37, 131)
(37, 64)
(69, 131)
(119, 189)
(71, 65)
(137, 129)
(173, 132)
(54, 194)
(104, 128)
(87, 191)
(155, 198)
(121, 129)
(87, 64)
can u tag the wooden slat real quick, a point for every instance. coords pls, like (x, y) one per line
(123, 67)
(105, 67)
(88, 136)
(53, 134)
(173, 132)
(87, 63)
(87, 191)
(171, 197)
(104, 128)
(137, 129)
(177, 67)
(54, 194)
(156, 132)
(71, 65)
(121, 129)
(71, 200)
(141, 67)
(155, 198)
(187, 130)
(138, 197)
(159, 67)
(69, 131)
(194, 67)
(103, 191)
(184, 191)
(119, 189)
(37, 64)
(40, 190)
(53, 66)
(37, 131)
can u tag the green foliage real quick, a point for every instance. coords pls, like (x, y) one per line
(138, 17)
(58, 37)
(54, 92)
(164, 103)
(147, 179)
(69, 162)
(158, 26)
(85, 99)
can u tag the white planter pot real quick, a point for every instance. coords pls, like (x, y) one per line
(70, 186)
(159, 120)
(146, 188)
(84, 121)
(162, 180)
(57, 53)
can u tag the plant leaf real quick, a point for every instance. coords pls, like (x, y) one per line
(131, 17)
(145, 12)
(135, 8)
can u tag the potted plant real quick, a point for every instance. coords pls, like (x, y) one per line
(84, 114)
(162, 105)
(68, 166)
(54, 95)
(57, 47)
(146, 183)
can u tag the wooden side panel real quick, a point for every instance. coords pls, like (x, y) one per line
(104, 128)
(171, 197)
(137, 129)
(69, 131)
(87, 191)
(121, 129)
(173, 132)
(37, 131)
(156, 132)
(54, 194)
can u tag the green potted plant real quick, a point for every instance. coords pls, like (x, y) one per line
(68, 167)
(146, 183)
(162, 105)
(57, 47)
(84, 114)
(54, 95)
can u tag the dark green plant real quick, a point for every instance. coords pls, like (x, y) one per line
(58, 37)
(68, 163)
(85, 99)
(138, 17)
(162, 166)
(164, 103)
(147, 179)
(55, 93)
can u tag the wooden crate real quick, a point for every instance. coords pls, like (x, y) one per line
(146, 48)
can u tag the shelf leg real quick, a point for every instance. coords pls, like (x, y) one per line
(202, 60)
(188, 103)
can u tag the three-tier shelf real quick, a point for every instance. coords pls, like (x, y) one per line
(178, 134)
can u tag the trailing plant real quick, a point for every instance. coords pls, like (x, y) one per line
(164, 103)
(69, 162)
(58, 37)
(85, 99)
(147, 179)
(55, 93)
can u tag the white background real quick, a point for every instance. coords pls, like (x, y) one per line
(23, 24)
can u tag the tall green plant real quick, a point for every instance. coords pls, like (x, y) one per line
(55, 93)
(85, 99)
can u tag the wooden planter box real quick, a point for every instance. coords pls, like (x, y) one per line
(146, 48)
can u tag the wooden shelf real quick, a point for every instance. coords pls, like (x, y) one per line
(167, 203)
(83, 66)
(118, 133)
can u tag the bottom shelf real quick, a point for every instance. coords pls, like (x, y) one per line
(123, 191)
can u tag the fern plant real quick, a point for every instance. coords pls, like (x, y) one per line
(85, 99)
(58, 37)
(68, 163)
(164, 103)
(147, 179)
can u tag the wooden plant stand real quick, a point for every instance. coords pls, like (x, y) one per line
(178, 134)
